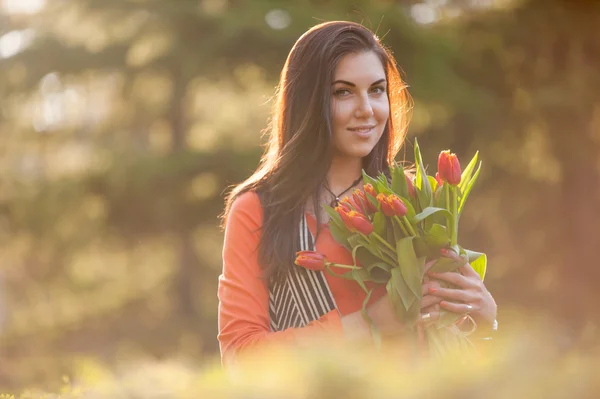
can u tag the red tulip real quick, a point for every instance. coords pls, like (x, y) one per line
(311, 260)
(449, 168)
(360, 223)
(397, 205)
(411, 187)
(386, 207)
(343, 209)
(366, 206)
(369, 189)
(439, 180)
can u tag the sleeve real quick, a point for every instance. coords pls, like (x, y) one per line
(243, 296)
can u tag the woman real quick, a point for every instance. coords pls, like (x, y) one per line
(341, 107)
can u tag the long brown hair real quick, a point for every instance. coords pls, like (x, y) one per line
(299, 150)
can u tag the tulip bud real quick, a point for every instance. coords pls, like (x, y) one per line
(397, 205)
(311, 260)
(369, 189)
(449, 168)
(411, 187)
(386, 207)
(366, 206)
(342, 209)
(360, 223)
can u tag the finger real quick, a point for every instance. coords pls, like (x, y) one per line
(428, 285)
(460, 308)
(428, 302)
(429, 265)
(453, 294)
(454, 278)
(448, 253)
(468, 271)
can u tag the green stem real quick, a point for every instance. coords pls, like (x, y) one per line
(399, 223)
(454, 212)
(447, 194)
(384, 242)
(343, 266)
(409, 226)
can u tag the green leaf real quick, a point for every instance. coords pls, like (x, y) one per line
(380, 276)
(380, 272)
(365, 257)
(379, 222)
(396, 299)
(467, 190)
(335, 217)
(399, 185)
(424, 193)
(409, 265)
(437, 236)
(376, 334)
(433, 183)
(430, 210)
(444, 265)
(354, 249)
(478, 261)
(340, 235)
(360, 276)
(412, 314)
(368, 179)
(408, 298)
(467, 172)
(398, 233)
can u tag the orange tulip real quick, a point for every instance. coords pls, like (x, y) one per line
(449, 168)
(360, 223)
(311, 260)
(370, 190)
(386, 207)
(398, 206)
(343, 209)
(361, 199)
(392, 205)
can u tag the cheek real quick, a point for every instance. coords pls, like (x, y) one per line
(382, 110)
(342, 110)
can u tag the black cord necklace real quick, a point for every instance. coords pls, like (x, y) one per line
(336, 199)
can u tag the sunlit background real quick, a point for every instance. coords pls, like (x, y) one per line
(122, 123)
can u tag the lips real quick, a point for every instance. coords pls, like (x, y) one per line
(362, 129)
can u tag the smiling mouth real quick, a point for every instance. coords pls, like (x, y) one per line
(362, 129)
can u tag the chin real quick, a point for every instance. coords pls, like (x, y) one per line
(360, 151)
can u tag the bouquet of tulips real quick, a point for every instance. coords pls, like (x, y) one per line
(394, 227)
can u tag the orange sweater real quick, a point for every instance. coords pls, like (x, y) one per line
(244, 297)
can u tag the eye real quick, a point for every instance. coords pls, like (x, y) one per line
(378, 90)
(342, 92)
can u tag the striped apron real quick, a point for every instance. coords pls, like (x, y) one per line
(303, 296)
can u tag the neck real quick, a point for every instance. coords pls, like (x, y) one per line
(343, 172)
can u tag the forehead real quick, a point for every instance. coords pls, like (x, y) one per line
(363, 67)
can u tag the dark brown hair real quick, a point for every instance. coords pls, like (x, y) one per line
(299, 150)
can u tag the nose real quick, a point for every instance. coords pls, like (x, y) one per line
(363, 108)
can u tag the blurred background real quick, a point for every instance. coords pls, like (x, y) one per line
(123, 122)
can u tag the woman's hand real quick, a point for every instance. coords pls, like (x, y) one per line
(470, 297)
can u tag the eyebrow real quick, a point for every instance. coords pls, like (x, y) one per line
(353, 85)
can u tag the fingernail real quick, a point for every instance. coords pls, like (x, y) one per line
(432, 289)
(443, 303)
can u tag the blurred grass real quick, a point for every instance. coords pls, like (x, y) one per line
(519, 364)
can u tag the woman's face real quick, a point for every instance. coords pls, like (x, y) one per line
(359, 104)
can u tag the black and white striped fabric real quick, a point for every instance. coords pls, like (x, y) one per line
(303, 296)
